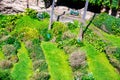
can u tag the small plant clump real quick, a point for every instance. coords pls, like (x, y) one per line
(77, 59)
(30, 12)
(108, 23)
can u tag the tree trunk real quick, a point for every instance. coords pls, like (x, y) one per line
(37, 2)
(27, 3)
(51, 15)
(83, 21)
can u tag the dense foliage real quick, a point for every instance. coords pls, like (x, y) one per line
(5, 75)
(108, 3)
(108, 23)
(29, 51)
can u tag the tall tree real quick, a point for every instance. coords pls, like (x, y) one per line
(37, 2)
(27, 3)
(51, 14)
(83, 21)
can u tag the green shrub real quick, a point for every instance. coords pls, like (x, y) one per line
(28, 33)
(41, 76)
(3, 20)
(107, 23)
(58, 28)
(8, 22)
(17, 44)
(43, 15)
(46, 15)
(35, 51)
(117, 53)
(8, 49)
(94, 40)
(68, 35)
(30, 12)
(70, 42)
(3, 32)
(5, 75)
(47, 35)
(73, 25)
(10, 40)
(89, 76)
(6, 64)
(77, 59)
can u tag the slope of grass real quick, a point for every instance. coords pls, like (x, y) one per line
(1, 55)
(99, 65)
(114, 40)
(23, 69)
(59, 68)
(26, 21)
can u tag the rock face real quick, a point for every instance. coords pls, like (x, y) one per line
(15, 6)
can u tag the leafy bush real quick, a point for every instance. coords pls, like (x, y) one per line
(8, 49)
(41, 65)
(43, 15)
(6, 64)
(30, 12)
(13, 58)
(17, 44)
(73, 25)
(9, 21)
(77, 59)
(47, 35)
(68, 35)
(58, 28)
(3, 32)
(108, 23)
(70, 42)
(28, 33)
(3, 20)
(5, 75)
(117, 53)
(76, 42)
(41, 76)
(10, 40)
(93, 39)
(89, 76)
(69, 49)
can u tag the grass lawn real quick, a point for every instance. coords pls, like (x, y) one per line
(1, 55)
(99, 65)
(23, 69)
(115, 40)
(26, 21)
(59, 68)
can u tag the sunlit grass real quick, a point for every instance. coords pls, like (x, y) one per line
(114, 40)
(1, 55)
(59, 68)
(26, 21)
(99, 65)
(23, 69)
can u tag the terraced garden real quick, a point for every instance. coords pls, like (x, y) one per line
(29, 51)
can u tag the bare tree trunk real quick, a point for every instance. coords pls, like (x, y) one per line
(51, 15)
(27, 3)
(37, 2)
(83, 21)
